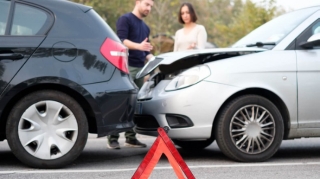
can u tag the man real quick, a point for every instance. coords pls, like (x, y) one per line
(134, 33)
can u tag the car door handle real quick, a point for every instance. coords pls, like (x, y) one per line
(10, 56)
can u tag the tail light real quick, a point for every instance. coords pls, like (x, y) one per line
(115, 53)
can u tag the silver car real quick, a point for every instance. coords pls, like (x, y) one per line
(248, 98)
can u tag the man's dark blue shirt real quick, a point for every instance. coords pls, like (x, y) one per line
(132, 28)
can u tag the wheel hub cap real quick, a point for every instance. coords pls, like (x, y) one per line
(252, 129)
(48, 130)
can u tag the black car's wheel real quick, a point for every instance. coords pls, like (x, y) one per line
(193, 145)
(47, 129)
(250, 129)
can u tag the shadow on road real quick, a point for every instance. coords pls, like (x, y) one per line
(97, 156)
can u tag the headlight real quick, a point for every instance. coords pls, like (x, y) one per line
(146, 91)
(189, 77)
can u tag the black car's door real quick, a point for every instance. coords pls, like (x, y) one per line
(22, 29)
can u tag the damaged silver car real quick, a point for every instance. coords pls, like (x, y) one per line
(250, 97)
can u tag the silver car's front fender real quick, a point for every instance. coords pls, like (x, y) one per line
(275, 71)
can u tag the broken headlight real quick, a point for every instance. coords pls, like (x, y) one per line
(146, 91)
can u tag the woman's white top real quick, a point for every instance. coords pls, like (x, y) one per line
(197, 35)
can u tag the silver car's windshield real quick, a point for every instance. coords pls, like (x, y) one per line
(275, 30)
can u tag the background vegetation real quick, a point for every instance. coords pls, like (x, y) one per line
(226, 21)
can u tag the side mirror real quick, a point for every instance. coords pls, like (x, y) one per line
(313, 41)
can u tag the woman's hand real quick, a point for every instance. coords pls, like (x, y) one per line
(192, 46)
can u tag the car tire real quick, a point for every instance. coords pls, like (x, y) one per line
(47, 129)
(193, 145)
(250, 129)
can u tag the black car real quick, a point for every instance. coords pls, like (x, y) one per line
(63, 74)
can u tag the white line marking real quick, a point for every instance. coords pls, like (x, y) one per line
(156, 168)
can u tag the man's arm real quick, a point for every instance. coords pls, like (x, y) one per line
(123, 27)
(143, 46)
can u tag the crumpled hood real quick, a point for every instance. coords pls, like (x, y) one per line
(171, 57)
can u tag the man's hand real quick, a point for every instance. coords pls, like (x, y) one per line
(145, 46)
(148, 57)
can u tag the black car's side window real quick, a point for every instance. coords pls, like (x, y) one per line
(4, 13)
(311, 30)
(28, 20)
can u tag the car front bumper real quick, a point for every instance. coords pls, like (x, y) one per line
(194, 108)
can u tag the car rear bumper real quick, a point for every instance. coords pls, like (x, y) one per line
(113, 104)
(117, 112)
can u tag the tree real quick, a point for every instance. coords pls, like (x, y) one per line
(110, 11)
(226, 21)
(248, 18)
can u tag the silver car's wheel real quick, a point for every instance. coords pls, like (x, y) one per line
(249, 129)
(252, 129)
(47, 129)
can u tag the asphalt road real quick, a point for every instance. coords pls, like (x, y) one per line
(298, 158)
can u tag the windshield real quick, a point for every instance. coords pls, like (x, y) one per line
(275, 30)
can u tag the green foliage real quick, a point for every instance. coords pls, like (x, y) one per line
(110, 10)
(249, 17)
(226, 21)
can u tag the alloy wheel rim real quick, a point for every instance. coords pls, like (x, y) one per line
(252, 129)
(48, 130)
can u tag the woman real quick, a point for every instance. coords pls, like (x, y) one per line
(192, 35)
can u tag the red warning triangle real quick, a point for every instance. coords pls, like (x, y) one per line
(163, 145)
